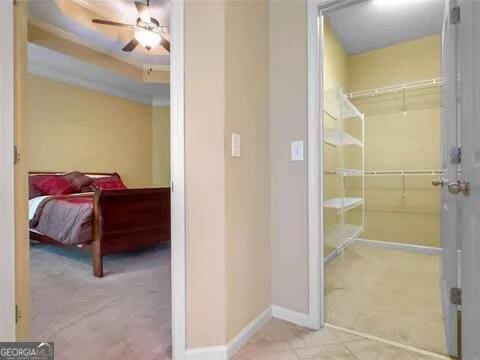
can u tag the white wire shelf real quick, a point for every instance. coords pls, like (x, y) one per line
(348, 109)
(416, 85)
(349, 172)
(337, 137)
(345, 172)
(341, 234)
(342, 204)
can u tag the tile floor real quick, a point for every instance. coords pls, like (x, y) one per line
(279, 340)
(391, 294)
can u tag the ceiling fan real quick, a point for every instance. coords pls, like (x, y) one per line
(147, 31)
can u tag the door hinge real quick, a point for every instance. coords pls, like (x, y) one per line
(455, 15)
(456, 296)
(456, 155)
(16, 155)
(18, 314)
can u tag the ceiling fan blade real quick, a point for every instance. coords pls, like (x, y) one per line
(131, 45)
(112, 23)
(165, 43)
(143, 11)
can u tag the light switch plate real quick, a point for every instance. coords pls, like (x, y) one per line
(297, 150)
(236, 145)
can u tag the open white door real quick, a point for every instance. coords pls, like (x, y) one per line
(450, 165)
(469, 70)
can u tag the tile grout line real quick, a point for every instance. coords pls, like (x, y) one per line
(343, 343)
(389, 342)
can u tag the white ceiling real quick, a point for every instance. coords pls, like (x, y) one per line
(60, 67)
(375, 24)
(47, 12)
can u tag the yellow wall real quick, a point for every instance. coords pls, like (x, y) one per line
(335, 78)
(161, 146)
(395, 140)
(72, 128)
(22, 246)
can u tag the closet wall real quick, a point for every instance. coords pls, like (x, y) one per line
(335, 78)
(400, 134)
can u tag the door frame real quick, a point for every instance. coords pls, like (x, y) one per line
(316, 272)
(177, 160)
(177, 146)
(7, 219)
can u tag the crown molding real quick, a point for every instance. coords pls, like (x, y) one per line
(160, 101)
(157, 67)
(43, 62)
(84, 80)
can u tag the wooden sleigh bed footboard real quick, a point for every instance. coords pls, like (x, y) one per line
(124, 220)
(128, 219)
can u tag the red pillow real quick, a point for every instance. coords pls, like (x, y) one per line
(109, 185)
(33, 180)
(55, 185)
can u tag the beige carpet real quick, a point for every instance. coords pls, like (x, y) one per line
(391, 294)
(125, 315)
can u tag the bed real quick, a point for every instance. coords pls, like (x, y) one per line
(101, 220)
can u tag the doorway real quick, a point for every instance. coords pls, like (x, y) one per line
(177, 176)
(361, 202)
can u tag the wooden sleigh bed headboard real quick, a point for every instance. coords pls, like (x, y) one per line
(91, 174)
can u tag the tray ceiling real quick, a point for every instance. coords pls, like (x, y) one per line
(73, 17)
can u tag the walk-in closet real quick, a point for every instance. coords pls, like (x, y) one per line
(381, 152)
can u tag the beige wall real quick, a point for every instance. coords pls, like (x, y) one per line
(398, 138)
(161, 146)
(288, 122)
(205, 173)
(72, 128)
(228, 242)
(247, 177)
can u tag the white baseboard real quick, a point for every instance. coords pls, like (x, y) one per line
(428, 250)
(291, 316)
(248, 331)
(224, 352)
(208, 353)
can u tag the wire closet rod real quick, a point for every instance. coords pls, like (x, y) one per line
(402, 172)
(392, 89)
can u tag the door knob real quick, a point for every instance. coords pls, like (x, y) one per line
(459, 187)
(440, 182)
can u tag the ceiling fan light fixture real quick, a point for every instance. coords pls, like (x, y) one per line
(148, 39)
